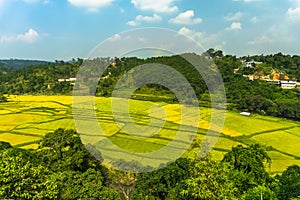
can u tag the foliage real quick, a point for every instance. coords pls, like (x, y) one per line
(63, 149)
(258, 193)
(249, 168)
(42, 79)
(290, 183)
(3, 98)
(83, 185)
(257, 96)
(70, 172)
(20, 179)
(4, 145)
(209, 180)
(158, 184)
(15, 64)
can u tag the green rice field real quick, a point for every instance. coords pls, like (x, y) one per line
(24, 120)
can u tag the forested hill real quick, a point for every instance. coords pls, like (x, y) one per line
(286, 63)
(242, 94)
(15, 64)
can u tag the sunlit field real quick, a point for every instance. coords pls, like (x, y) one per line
(24, 120)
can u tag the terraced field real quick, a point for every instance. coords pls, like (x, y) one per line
(25, 119)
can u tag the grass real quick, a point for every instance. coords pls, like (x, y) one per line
(24, 120)
(282, 141)
(255, 124)
(16, 139)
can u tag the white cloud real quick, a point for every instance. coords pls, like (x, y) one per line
(234, 26)
(114, 38)
(203, 39)
(186, 18)
(234, 17)
(296, 2)
(90, 5)
(254, 20)
(29, 37)
(274, 35)
(162, 6)
(263, 39)
(189, 33)
(293, 13)
(140, 18)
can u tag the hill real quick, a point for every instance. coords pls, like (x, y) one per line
(252, 96)
(15, 64)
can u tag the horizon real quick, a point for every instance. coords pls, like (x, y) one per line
(71, 59)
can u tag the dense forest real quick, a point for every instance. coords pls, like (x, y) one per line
(62, 168)
(243, 95)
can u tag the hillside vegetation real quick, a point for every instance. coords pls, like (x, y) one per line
(244, 95)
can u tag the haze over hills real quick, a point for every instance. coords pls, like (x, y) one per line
(14, 64)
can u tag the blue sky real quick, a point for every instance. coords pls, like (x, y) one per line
(65, 29)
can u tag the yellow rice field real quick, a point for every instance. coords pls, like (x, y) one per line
(25, 119)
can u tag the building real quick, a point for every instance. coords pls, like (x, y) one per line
(250, 64)
(245, 114)
(71, 80)
(288, 84)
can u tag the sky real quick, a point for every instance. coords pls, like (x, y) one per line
(65, 29)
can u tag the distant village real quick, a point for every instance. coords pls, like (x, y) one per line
(275, 78)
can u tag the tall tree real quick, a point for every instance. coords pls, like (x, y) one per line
(290, 183)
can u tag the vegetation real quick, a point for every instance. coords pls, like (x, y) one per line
(53, 163)
(41, 114)
(61, 168)
(2, 98)
(242, 94)
(15, 64)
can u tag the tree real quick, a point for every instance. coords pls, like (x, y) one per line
(161, 184)
(248, 168)
(21, 179)
(290, 183)
(260, 192)
(86, 185)
(209, 180)
(4, 145)
(123, 182)
(3, 98)
(215, 53)
(63, 149)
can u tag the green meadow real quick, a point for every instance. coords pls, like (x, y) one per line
(24, 120)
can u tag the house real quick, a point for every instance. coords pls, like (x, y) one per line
(71, 80)
(288, 84)
(250, 64)
(274, 82)
(245, 114)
